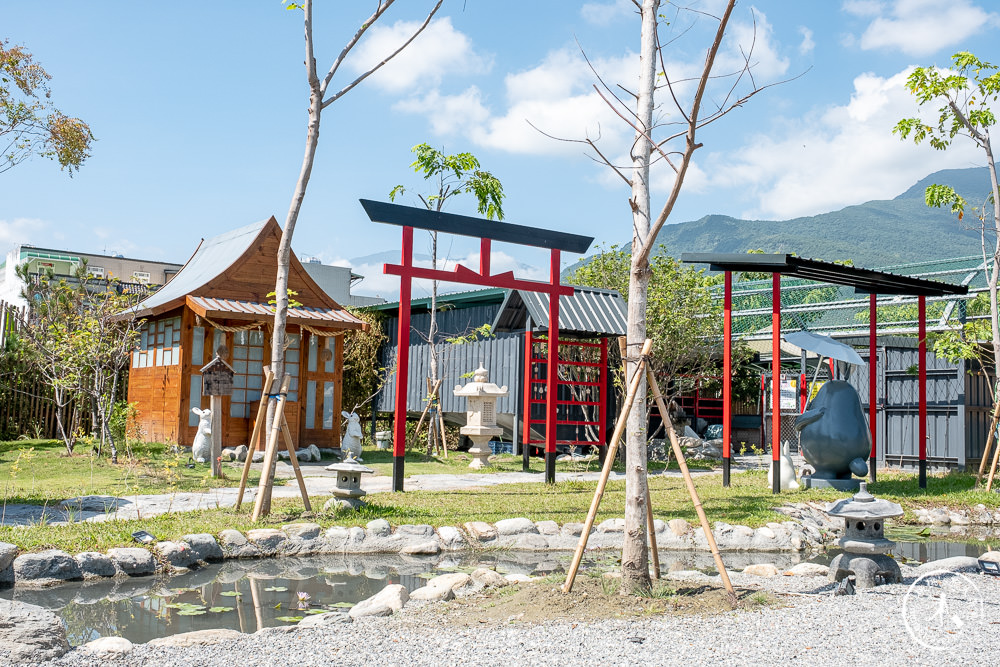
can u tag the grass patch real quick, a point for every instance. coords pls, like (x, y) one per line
(38, 472)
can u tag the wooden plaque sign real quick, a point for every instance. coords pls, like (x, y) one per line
(217, 378)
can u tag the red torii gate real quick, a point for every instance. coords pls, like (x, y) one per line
(486, 231)
(866, 281)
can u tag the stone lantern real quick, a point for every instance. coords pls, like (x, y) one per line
(480, 415)
(864, 543)
(348, 492)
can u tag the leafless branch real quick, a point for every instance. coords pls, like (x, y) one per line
(382, 8)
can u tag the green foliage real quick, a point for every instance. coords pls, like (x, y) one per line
(29, 123)
(363, 373)
(681, 317)
(455, 174)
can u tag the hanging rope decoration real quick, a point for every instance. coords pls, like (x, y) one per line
(323, 334)
(242, 327)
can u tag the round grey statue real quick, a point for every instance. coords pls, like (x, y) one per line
(834, 437)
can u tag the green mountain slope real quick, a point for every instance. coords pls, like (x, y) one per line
(876, 233)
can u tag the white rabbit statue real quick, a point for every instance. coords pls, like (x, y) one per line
(201, 449)
(351, 443)
(785, 469)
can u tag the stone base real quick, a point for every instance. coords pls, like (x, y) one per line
(867, 569)
(343, 503)
(811, 482)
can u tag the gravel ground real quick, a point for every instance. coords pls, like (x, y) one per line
(809, 624)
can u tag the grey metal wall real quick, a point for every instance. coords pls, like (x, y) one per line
(957, 406)
(501, 356)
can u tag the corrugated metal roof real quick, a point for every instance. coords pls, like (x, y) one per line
(229, 307)
(588, 311)
(212, 257)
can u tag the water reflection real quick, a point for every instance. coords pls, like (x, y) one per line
(252, 594)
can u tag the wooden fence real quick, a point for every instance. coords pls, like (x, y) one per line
(27, 407)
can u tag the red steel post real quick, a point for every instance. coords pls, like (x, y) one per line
(402, 366)
(776, 381)
(727, 377)
(872, 386)
(602, 392)
(551, 381)
(922, 380)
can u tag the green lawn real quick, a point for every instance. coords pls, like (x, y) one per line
(40, 471)
(748, 501)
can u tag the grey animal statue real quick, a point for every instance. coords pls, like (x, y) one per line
(834, 436)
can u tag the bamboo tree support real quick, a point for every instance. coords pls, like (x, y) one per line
(990, 439)
(654, 549)
(258, 426)
(609, 460)
(682, 464)
(263, 498)
(993, 470)
(290, 448)
(444, 441)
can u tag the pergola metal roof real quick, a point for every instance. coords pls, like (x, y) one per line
(866, 281)
(588, 311)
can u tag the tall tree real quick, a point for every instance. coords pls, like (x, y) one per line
(29, 123)
(453, 175)
(321, 96)
(965, 93)
(674, 142)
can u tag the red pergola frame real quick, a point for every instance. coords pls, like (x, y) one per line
(863, 280)
(486, 231)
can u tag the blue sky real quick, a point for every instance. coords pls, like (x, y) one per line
(199, 112)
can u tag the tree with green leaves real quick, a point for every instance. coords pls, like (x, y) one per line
(452, 175)
(29, 123)
(964, 94)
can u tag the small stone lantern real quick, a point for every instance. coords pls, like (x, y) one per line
(481, 415)
(864, 543)
(348, 492)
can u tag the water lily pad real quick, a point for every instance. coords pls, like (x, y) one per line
(219, 610)
(191, 612)
(230, 594)
(315, 611)
(342, 605)
(276, 589)
(289, 619)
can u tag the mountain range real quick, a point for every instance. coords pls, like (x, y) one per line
(874, 234)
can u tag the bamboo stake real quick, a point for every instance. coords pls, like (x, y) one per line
(650, 525)
(430, 402)
(290, 448)
(609, 460)
(258, 426)
(993, 470)
(270, 452)
(989, 441)
(682, 464)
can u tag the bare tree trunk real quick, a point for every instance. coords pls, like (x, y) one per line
(635, 551)
(995, 272)
(432, 334)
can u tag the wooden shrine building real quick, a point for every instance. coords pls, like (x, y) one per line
(217, 304)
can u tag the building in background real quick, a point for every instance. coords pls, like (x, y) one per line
(137, 275)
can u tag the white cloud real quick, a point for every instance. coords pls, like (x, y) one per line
(439, 50)
(863, 7)
(377, 283)
(604, 13)
(842, 155)
(741, 37)
(922, 27)
(22, 230)
(807, 44)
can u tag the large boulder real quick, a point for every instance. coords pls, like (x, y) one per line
(94, 564)
(8, 552)
(384, 603)
(45, 567)
(29, 634)
(442, 587)
(197, 638)
(133, 561)
(204, 546)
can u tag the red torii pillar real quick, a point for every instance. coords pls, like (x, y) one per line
(872, 387)
(776, 382)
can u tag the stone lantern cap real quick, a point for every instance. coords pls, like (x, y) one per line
(348, 466)
(480, 386)
(864, 506)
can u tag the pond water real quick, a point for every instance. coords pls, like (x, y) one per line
(252, 594)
